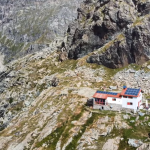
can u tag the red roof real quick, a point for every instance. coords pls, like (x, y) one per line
(123, 91)
(100, 95)
(104, 96)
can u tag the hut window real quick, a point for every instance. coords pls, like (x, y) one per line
(129, 103)
(114, 99)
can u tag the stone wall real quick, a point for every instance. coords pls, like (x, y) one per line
(113, 107)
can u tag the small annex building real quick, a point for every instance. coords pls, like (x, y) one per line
(129, 98)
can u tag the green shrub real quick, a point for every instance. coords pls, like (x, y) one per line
(10, 100)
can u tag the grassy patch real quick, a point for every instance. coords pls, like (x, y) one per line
(135, 67)
(124, 143)
(73, 144)
(111, 72)
(10, 100)
(147, 96)
(60, 68)
(135, 132)
(101, 85)
(62, 131)
(115, 132)
(138, 21)
(66, 134)
(41, 87)
(52, 139)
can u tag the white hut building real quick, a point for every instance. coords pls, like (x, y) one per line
(128, 98)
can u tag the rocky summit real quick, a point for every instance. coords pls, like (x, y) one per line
(54, 56)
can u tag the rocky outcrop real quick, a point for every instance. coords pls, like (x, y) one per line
(116, 31)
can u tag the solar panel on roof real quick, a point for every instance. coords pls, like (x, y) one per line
(110, 93)
(130, 91)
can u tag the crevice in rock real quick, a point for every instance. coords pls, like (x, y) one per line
(100, 31)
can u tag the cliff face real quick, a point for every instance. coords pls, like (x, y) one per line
(117, 32)
(29, 25)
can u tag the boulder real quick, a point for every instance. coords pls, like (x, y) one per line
(126, 116)
(141, 114)
(26, 103)
(63, 56)
(132, 121)
(112, 144)
(148, 66)
(134, 142)
(113, 87)
(137, 118)
(54, 81)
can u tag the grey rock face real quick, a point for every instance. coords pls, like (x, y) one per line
(117, 31)
(28, 26)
